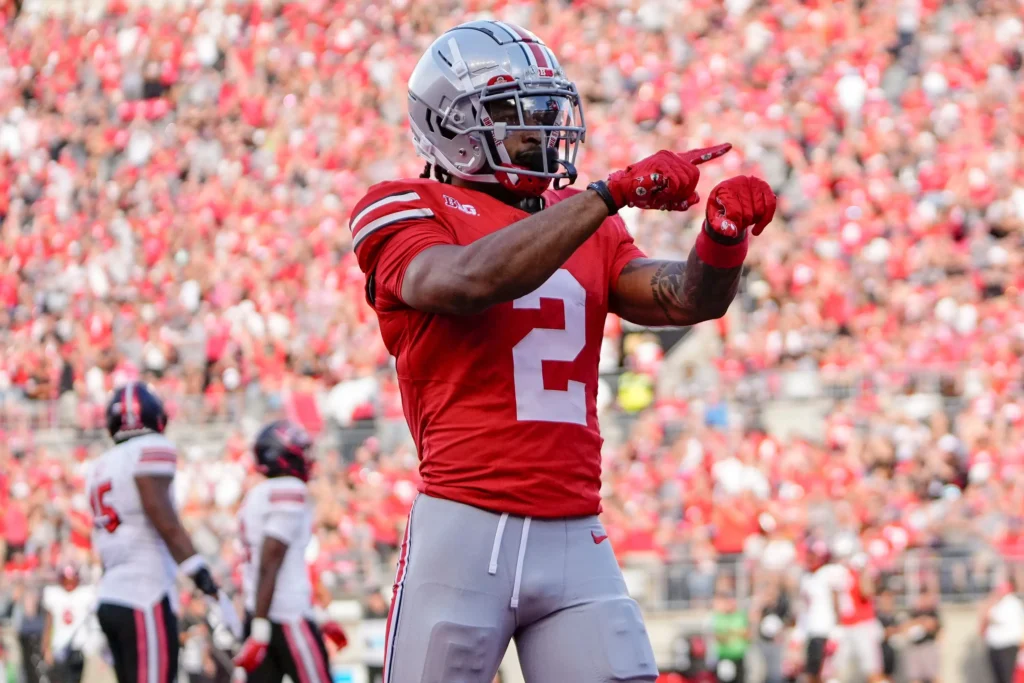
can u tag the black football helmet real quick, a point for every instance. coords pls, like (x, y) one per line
(134, 410)
(282, 449)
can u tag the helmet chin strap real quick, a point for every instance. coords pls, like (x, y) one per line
(535, 204)
(570, 170)
(532, 205)
(523, 185)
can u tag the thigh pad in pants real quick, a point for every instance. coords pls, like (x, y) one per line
(458, 653)
(443, 637)
(598, 642)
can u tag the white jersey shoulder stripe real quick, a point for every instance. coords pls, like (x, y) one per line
(387, 220)
(158, 454)
(288, 497)
(380, 203)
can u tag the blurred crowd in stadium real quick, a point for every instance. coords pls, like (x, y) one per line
(175, 188)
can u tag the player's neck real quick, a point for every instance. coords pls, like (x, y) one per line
(493, 189)
(502, 195)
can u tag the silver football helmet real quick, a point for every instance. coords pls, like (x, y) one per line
(481, 81)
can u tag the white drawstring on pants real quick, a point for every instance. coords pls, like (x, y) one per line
(519, 563)
(492, 568)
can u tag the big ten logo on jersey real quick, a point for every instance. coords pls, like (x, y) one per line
(454, 203)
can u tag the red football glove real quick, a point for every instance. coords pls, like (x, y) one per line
(254, 650)
(737, 205)
(665, 180)
(335, 633)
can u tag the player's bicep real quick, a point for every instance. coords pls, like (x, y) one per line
(272, 553)
(389, 232)
(155, 497)
(404, 272)
(436, 281)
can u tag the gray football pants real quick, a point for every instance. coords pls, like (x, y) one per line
(470, 580)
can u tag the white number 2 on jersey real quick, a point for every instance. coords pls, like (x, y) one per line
(533, 401)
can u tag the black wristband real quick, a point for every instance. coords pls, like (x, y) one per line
(204, 582)
(601, 188)
(722, 239)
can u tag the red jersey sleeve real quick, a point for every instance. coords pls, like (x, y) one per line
(392, 224)
(620, 244)
(624, 249)
(396, 256)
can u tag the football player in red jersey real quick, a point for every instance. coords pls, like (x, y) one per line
(862, 631)
(492, 292)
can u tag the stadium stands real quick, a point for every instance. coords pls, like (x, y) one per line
(175, 186)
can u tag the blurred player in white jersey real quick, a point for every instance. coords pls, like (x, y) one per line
(275, 525)
(69, 607)
(140, 540)
(818, 615)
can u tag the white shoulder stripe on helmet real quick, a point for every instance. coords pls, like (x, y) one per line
(384, 221)
(403, 197)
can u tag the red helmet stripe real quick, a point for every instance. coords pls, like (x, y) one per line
(538, 54)
(536, 48)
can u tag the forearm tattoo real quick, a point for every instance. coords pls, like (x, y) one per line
(690, 292)
(668, 285)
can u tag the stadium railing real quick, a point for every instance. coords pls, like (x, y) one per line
(964, 574)
(85, 417)
(751, 391)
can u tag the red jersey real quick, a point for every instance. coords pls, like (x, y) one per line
(502, 405)
(855, 606)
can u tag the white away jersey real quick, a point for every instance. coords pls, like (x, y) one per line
(818, 591)
(279, 508)
(69, 616)
(138, 570)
